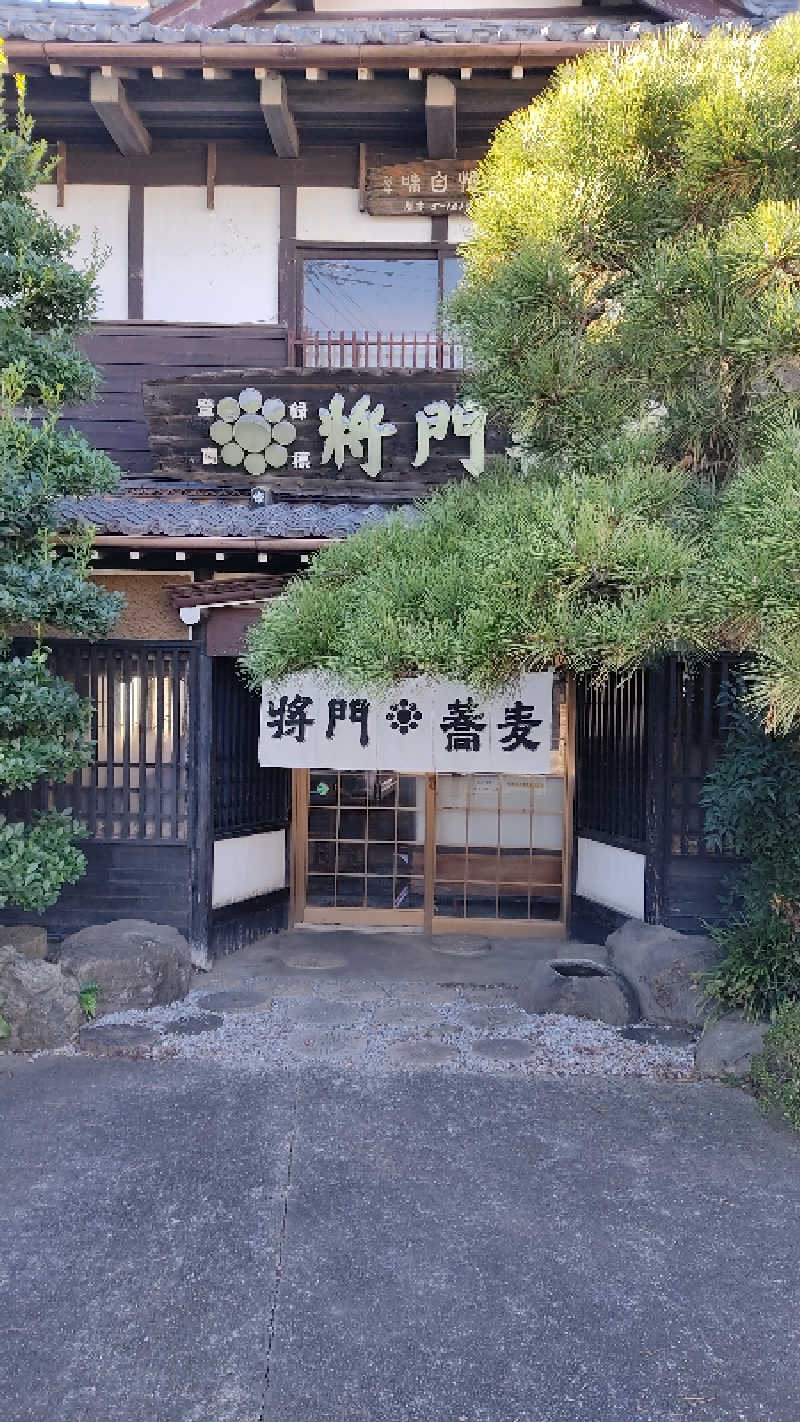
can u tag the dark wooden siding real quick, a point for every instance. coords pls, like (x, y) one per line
(122, 880)
(130, 352)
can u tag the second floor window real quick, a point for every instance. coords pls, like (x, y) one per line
(377, 310)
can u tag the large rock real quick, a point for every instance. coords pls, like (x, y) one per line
(134, 963)
(39, 1003)
(25, 938)
(591, 991)
(727, 1047)
(660, 964)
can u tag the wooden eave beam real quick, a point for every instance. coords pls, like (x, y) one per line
(440, 116)
(278, 115)
(535, 54)
(109, 101)
(207, 543)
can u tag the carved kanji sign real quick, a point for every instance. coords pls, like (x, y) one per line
(354, 435)
(432, 187)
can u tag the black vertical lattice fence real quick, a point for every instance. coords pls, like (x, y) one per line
(696, 716)
(247, 798)
(611, 760)
(617, 720)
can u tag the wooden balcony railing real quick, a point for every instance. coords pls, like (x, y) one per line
(382, 350)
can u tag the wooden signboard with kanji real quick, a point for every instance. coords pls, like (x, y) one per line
(360, 436)
(432, 187)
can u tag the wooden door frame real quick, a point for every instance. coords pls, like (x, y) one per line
(300, 913)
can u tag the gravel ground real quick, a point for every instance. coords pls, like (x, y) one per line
(403, 1030)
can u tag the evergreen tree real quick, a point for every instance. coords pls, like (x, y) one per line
(630, 309)
(44, 724)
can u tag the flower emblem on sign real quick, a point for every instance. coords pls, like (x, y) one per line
(251, 431)
(404, 716)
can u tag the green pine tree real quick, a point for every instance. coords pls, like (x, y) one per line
(631, 311)
(44, 724)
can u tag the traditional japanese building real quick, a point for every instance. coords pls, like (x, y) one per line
(281, 191)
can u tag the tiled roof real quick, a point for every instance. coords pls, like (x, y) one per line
(85, 24)
(209, 518)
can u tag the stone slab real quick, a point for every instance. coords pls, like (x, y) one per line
(327, 1046)
(24, 938)
(256, 999)
(503, 1049)
(118, 1039)
(419, 1054)
(727, 1047)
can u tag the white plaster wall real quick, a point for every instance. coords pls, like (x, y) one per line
(100, 211)
(248, 866)
(220, 265)
(611, 876)
(332, 215)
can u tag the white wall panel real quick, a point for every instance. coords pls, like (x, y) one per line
(611, 876)
(332, 215)
(219, 266)
(459, 229)
(247, 866)
(100, 211)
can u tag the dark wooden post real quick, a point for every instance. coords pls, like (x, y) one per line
(136, 252)
(201, 781)
(657, 798)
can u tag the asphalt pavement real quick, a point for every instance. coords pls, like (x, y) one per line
(182, 1242)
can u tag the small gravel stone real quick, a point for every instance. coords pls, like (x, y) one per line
(373, 1031)
(330, 1014)
(490, 1019)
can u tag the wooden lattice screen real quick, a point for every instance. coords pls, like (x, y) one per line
(137, 786)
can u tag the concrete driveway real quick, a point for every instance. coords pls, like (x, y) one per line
(186, 1243)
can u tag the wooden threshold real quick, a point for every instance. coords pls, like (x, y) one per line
(502, 927)
(365, 918)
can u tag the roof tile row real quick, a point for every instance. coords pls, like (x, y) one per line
(208, 518)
